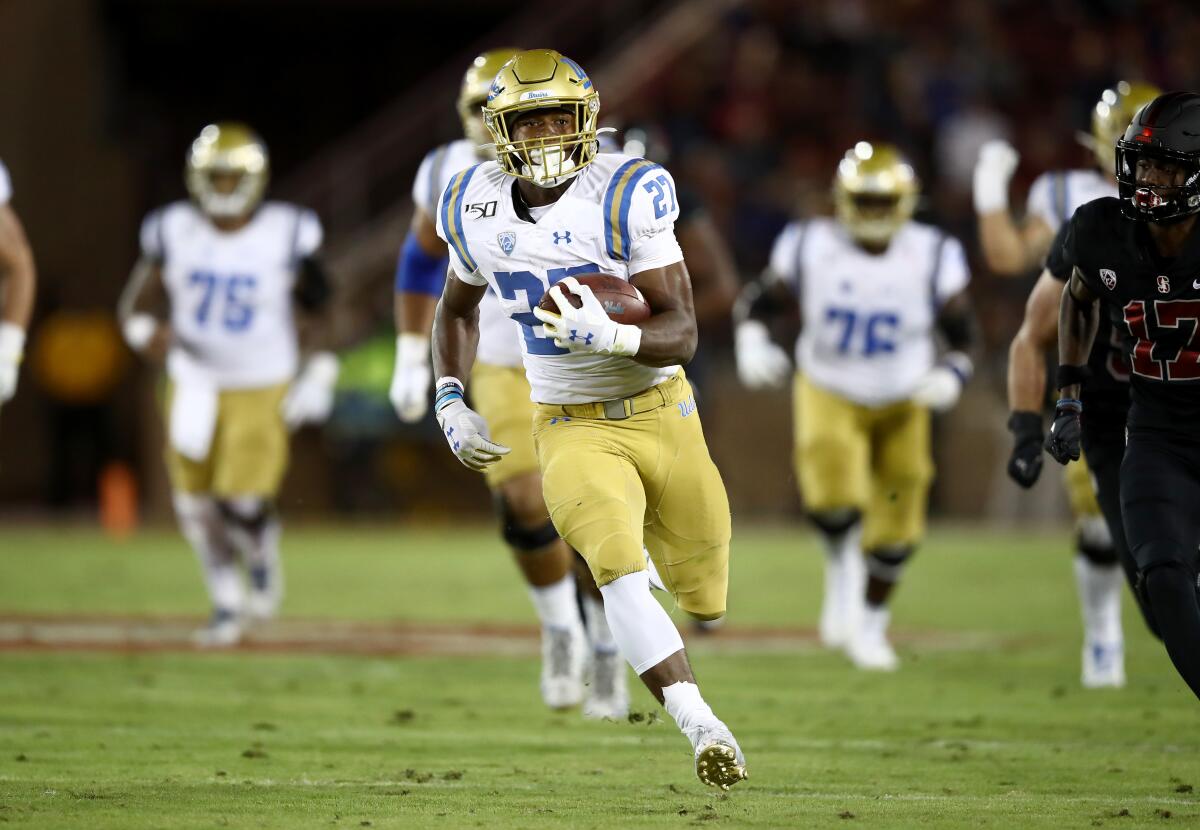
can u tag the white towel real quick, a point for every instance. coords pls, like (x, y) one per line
(193, 418)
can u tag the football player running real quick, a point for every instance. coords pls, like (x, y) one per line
(19, 281)
(500, 393)
(874, 287)
(1136, 258)
(217, 289)
(618, 440)
(1093, 487)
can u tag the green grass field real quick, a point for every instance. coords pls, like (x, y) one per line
(984, 725)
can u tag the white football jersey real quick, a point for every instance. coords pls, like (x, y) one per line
(617, 217)
(868, 321)
(499, 337)
(5, 185)
(231, 293)
(1056, 195)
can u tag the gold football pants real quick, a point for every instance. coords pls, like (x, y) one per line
(501, 395)
(623, 473)
(874, 459)
(249, 451)
(1077, 478)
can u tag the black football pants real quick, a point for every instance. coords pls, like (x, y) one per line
(1160, 504)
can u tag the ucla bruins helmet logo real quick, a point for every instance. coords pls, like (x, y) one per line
(476, 84)
(874, 192)
(227, 170)
(543, 79)
(1111, 115)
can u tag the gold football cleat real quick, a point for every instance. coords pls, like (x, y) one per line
(718, 766)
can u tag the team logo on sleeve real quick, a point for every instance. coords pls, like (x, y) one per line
(1164, 285)
(507, 241)
(1109, 278)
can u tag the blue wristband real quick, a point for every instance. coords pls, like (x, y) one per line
(1070, 404)
(446, 394)
(419, 273)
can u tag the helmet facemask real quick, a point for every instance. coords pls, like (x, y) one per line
(547, 161)
(1160, 203)
(874, 193)
(227, 150)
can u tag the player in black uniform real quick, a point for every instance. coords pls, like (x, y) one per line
(1140, 256)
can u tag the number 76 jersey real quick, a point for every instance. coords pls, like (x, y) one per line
(868, 319)
(617, 218)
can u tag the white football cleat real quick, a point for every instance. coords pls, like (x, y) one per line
(608, 692)
(869, 648)
(564, 654)
(719, 759)
(262, 605)
(1103, 665)
(224, 629)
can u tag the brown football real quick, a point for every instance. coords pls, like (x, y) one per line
(622, 301)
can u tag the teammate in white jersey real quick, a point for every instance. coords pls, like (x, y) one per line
(500, 393)
(1013, 248)
(617, 435)
(217, 290)
(18, 282)
(873, 288)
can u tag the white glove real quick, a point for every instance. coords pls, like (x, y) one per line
(138, 330)
(940, 387)
(12, 348)
(310, 398)
(993, 169)
(409, 393)
(465, 430)
(760, 362)
(589, 328)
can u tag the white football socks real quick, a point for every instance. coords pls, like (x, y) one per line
(599, 634)
(555, 603)
(684, 703)
(204, 528)
(643, 632)
(1100, 600)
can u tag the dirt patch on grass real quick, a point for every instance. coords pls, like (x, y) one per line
(24, 633)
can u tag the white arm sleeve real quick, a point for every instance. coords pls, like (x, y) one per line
(653, 209)
(426, 189)
(951, 273)
(5, 185)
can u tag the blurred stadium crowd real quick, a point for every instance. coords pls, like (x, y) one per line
(751, 107)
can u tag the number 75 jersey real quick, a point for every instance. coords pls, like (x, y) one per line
(868, 319)
(617, 218)
(231, 293)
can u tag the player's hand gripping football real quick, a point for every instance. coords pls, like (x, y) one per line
(760, 362)
(1025, 462)
(465, 430)
(1063, 441)
(409, 392)
(587, 328)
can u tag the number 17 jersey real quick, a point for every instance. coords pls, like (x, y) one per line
(868, 319)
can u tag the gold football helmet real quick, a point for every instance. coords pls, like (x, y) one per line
(874, 192)
(543, 79)
(227, 170)
(1112, 115)
(474, 92)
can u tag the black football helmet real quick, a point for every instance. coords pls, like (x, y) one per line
(1166, 129)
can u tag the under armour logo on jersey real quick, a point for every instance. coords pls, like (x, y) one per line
(1164, 285)
(1109, 278)
(507, 241)
(575, 336)
(565, 236)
